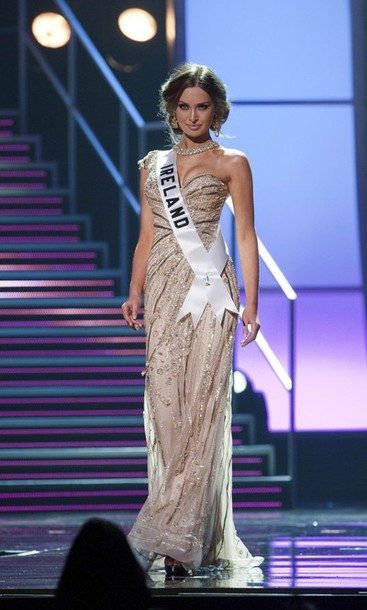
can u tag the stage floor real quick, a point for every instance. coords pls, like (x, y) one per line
(318, 550)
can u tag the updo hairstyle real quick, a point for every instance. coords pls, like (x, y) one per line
(193, 75)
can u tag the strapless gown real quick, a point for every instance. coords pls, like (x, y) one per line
(187, 410)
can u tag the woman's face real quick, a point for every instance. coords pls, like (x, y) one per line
(195, 112)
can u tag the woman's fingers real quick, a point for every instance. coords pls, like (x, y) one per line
(134, 317)
(130, 313)
(250, 330)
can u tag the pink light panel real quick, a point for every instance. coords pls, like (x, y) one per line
(50, 267)
(31, 212)
(40, 239)
(85, 462)
(28, 228)
(75, 352)
(23, 185)
(53, 294)
(25, 400)
(30, 370)
(76, 254)
(22, 173)
(43, 383)
(73, 339)
(17, 159)
(14, 147)
(40, 200)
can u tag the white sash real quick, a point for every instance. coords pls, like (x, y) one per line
(207, 285)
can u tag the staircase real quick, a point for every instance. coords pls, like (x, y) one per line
(71, 390)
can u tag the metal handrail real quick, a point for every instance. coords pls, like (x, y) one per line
(67, 94)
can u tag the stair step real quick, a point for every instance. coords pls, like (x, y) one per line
(41, 284)
(46, 229)
(51, 312)
(18, 376)
(51, 349)
(44, 257)
(87, 421)
(67, 453)
(26, 462)
(244, 425)
(7, 126)
(129, 355)
(64, 287)
(124, 494)
(65, 276)
(35, 429)
(28, 176)
(111, 305)
(20, 149)
(268, 492)
(76, 431)
(76, 335)
(260, 458)
(62, 284)
(36, 406)
(50, 202)
(66, 391)
(66, 322)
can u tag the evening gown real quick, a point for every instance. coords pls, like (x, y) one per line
(187, 407)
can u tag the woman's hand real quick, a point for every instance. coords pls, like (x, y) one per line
(130, 312)
(251, 326)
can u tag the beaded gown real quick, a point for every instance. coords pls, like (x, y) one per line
(187, 409)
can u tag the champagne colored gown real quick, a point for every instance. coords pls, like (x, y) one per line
(187, 410)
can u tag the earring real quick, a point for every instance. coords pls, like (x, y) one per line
(173, 122)
(216, 125)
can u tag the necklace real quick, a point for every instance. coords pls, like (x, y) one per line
(196, 149)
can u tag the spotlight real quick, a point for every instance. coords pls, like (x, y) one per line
(51, 30)
(137, 24)
(239, 382)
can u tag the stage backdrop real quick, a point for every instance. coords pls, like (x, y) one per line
(288, 68)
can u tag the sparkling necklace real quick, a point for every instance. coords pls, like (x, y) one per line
(196, 149)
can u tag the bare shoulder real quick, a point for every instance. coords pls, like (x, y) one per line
(235, 163)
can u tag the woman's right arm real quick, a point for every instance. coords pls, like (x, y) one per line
(140, 260)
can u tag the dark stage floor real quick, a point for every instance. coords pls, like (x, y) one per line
(307, 552)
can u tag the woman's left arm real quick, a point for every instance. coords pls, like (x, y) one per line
(241, 191)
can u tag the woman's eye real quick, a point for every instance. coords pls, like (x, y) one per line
(183, 106)
(203, 106)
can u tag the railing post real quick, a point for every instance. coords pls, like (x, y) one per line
(292, 406)
(23, 71)
(123, 237)
(72, 128)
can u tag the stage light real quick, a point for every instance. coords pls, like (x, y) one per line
(239, 382)
(137, 24)
(51, 30)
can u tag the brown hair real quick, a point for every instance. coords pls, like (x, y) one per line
(193, 75)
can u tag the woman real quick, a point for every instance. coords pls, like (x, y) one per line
(191, 311)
